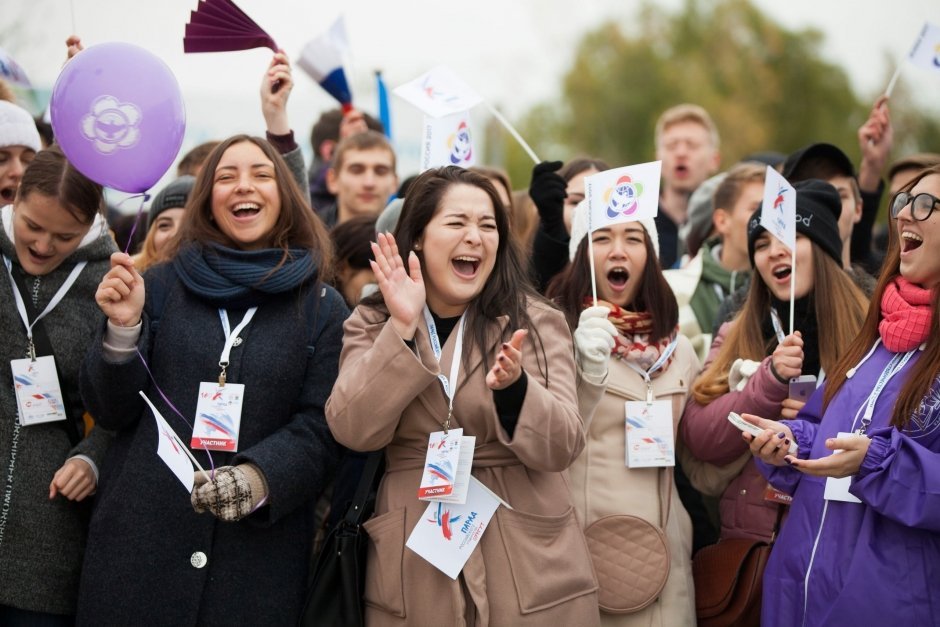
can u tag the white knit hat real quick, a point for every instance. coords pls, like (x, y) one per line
(579, 227)
(17, 127)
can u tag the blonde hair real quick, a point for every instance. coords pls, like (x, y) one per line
(687, 112)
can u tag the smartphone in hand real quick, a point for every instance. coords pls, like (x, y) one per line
(801, 388)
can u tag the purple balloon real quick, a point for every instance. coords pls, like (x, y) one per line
(118, 115)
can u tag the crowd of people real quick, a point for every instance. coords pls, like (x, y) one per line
(338, 311)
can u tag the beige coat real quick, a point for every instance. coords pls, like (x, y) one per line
(531, 566)
(602, 484)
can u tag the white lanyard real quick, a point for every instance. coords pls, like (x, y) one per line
(56, 299)
(663, 358)
(449, 383)
(231, 337)
(894, 366)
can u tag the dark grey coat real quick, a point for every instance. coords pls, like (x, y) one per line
(139, 567)
(41, 541)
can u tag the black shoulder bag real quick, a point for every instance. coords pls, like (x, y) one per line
(335, 596)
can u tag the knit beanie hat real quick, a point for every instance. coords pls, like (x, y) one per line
(17, 127)
(579, 229)
(173, 196)
(817, 161)
(817, 217)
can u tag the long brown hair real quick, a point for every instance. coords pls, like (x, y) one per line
(296, 226)
(506, 292)
(572, 286)
(924, 372)
(839, 306)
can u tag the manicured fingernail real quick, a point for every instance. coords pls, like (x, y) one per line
(502, 358)
(787, 441)
(781, 435)
(787, 460)
(505, 345)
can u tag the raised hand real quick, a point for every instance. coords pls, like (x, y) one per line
(787, 359)
(275, 90)
(875, 140)
(593, 340)
(402, 290)
(508, 366)
(120, 294)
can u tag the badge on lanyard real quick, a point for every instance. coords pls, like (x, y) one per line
(649, 429)
(650, 441)
(773, 495)
(38, 395)
(446, 476)
(837, 489)
(35, 380)
(219, 405)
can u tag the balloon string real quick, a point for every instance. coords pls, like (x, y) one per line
(72, 6)
(144, 197)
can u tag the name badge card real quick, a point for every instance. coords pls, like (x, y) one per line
(38, 395)
(838, 489)
(650, 441)
(448, 533)
(218, 416)
(447, 467)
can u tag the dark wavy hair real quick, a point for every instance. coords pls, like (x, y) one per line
(296, 227)
(508, 289)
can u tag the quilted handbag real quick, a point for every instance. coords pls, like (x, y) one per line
(631, 558)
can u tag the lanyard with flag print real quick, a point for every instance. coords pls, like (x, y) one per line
(56, 299)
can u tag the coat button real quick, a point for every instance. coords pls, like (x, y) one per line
(198, 559)
(743, 492)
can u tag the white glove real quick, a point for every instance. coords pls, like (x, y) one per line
(593, 341)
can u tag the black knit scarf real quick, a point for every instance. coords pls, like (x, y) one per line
(804, 320)
(241, 278)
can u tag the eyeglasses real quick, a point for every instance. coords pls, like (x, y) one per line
(922, 205)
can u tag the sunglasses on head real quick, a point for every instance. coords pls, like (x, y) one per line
(922, 205)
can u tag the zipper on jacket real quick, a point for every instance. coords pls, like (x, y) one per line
(812, 556)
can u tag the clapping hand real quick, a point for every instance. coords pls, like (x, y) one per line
(403, 290)
(508, 366)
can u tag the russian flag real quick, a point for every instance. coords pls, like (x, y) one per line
(322, 59)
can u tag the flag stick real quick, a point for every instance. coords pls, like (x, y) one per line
(512, 131)
(894, 79)
(792, 287)
(589, 189)
(72, 6)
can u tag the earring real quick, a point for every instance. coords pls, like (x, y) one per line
(416, 247)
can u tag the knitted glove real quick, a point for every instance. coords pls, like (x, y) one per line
(233, 492)
(547, 190)
(593, 341)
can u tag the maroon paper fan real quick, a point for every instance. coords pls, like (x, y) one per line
(220, 26)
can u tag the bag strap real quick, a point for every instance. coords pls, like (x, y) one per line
(366, 481)
(773, 538)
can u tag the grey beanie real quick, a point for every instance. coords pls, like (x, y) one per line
(173, 196)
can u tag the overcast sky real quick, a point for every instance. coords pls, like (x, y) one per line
(513, 52)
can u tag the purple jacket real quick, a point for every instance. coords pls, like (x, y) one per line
(874, 563)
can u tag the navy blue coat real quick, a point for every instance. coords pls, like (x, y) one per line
(142, 562)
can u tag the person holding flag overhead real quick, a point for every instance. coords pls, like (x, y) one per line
(623, 482)
(862, 546)
(753, 359)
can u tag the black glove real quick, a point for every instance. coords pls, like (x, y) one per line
(547, 190)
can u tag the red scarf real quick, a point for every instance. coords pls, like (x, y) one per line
(633, 332)
(905, 315)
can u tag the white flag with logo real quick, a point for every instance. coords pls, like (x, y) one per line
(171, 449)
(778, 211)
(623, 194)
(926, 51)
(439, 92)
(447, 141)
